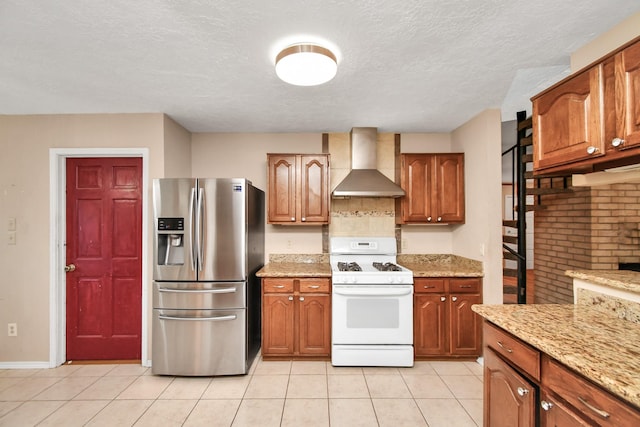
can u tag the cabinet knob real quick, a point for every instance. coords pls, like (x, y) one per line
(301, 298)
(429, 218)
(439, 219)
(617, 142)
(293, 218)
(592, 150)
(546, 405)
(290, 297)
(443, 298)
(303, 219)
(454, 298)
(522, 391)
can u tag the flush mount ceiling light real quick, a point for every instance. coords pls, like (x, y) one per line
(306, 64)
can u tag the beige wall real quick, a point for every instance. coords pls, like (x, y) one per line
(480, 237)
(620, 34)
(24, 194)
(244, 155)
(177, 150)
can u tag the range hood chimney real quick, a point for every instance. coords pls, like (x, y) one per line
(365, 180)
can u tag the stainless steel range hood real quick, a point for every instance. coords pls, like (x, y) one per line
(365, 180)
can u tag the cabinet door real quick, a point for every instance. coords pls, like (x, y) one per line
(509, 399)
(449, 190)
(277, 324)
(430, 334)
(628, 95)
(417, 180)
(554, 413)
(567, 121)
(282, 189)
(314, 189)
(315, 324)
(465, 325)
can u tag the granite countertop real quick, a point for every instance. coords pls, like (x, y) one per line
(619, 279)
(317, 265)
(599, 346)
(296, 265)
(436, 265)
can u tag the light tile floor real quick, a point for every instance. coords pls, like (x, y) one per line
(298, 393)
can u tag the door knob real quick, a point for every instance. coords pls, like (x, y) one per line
(69, 268)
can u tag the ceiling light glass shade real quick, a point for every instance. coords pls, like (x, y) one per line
(306, 65)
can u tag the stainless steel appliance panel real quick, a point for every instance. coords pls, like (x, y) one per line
(222, 212)
(199, 295)
(199, 342)
(175, 198)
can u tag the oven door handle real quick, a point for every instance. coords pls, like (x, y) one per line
(373, 292)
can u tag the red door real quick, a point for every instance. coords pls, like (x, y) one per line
(104, 242)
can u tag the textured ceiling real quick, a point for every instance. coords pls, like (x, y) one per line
(404, 65)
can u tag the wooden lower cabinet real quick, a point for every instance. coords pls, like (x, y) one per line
(443, 323)
(296, 317)
(518, 378)
(510, 400)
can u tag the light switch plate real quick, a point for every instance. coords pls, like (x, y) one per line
(11, 226)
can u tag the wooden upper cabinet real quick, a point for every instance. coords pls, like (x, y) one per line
(568, 121)
(434, 184)
(591, 120)
(627, 89)
(298, 189)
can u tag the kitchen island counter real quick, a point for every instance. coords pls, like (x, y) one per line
(618, 279)
(600, 346)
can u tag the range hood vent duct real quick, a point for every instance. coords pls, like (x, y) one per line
(365, 180)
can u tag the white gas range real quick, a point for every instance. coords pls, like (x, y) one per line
(372, 303)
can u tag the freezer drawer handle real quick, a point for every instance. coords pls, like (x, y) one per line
(200, 291)
(200, 319)
(372, 292)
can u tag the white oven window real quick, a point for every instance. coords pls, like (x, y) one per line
(373, 313)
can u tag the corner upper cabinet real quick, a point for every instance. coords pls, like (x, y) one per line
(627, 96)
(298, 187)
(434, 184)
(568, 121)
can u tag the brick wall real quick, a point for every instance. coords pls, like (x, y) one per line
(589, 228)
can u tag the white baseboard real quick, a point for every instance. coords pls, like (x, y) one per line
(24, 365)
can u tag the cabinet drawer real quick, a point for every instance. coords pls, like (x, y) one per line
(271, 285)
(315, 285)
(525, 357)
(589, 399)
(423, 286)
(459, 286)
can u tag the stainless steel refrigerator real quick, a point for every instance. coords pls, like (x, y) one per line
(208, 246)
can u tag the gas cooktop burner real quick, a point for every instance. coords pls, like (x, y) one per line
(349, 266)
(387, 266)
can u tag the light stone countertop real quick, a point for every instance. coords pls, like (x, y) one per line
(619, 279)
(597, 345)
(317, 265)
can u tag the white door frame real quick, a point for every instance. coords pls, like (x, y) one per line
(57, 244)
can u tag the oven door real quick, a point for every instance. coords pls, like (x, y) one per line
(372, 314)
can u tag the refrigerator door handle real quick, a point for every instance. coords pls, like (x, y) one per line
(200, 291)
(200, 319)
(192, 201)
(200, 228)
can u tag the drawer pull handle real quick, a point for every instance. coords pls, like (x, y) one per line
(505, 348)
(600, 412)
(546, 405)
(314, 286)
(278, 286)
(522, 391)
(429, 287)
(465, 286)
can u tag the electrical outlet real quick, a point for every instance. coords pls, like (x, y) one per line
(11, 238)
(12, 329)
